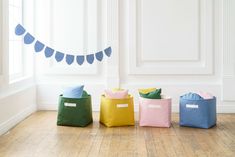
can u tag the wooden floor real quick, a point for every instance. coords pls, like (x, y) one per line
(39, 136)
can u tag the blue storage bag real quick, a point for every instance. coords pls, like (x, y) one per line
(196, 111)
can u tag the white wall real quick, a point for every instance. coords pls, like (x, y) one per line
(16, 106)
(18, 97)
(180, 46)
(81, 32)
(176, 45)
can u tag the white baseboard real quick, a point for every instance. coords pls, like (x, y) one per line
(48, 107)
(11, 122)
(220, 108)
(48, 95)
(175, 108)
(54, 107)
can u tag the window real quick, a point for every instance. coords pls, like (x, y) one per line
(1, 38)
(16, 58)
(21, 61)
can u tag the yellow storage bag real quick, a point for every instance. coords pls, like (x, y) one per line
(117, 112)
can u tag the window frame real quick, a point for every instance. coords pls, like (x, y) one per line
(17, 75)
(4, 77)
(7, 86)
(28, 60)
(1, 39)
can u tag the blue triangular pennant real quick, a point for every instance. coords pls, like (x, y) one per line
(99, 55)
(80, 60)
(69, 59)
(19, 30)
(59, 56)
(28, 39)
(90, 58)
(38, 46)
(49, 52)
(108, 51)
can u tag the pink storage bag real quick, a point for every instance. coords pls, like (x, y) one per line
(155, 112)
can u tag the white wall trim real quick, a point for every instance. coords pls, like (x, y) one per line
(201, 71)
(112, 64)
(16, 88)
(220, 108)
(85, 69)
(1, 39)
(4, 78)
(48, 95)
(11, 122)
(225, 108)
(228, 90)
(47, 106)
(202, 66)
(54, 107)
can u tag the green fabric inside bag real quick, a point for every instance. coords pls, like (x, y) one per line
(85, 94)
(75, 111)
(156, 94)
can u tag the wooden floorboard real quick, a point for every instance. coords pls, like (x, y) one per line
(38, 136)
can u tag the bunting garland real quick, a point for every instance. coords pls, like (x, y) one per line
(60, 56)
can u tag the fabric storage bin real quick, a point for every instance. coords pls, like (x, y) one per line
(198, 113)
(75, 111)
(155, 112)
(117, 112)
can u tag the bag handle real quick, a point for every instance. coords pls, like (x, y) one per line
(68, 104)
(122, 105)
(192, 106)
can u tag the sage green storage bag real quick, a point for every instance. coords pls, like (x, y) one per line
(156, 94)
(75, 111)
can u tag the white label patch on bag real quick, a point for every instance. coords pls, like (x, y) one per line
(191, 106)
(122, 105)
(154, 106)
(70, 104)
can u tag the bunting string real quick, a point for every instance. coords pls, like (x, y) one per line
(60, 56)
